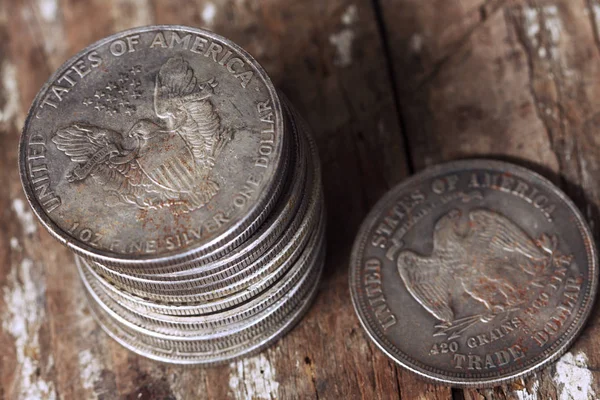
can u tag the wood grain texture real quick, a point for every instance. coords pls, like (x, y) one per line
(515, 80)
(343, 90)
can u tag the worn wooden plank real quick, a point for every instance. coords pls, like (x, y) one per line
(328, 58)
(516, 80)
(513, 79)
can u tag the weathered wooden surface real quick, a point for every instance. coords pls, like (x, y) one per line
(389, 86)
(515, 80)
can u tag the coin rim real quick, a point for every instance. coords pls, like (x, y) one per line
(545, 358)
(216, 321)
(253, 347)
(182, 332)
(290, 201)
(108, 257)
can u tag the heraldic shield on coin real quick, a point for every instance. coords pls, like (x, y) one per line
(170, 162)
(152, 142)
(474, 273)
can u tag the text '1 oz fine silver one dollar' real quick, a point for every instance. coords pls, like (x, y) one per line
(174, 126)
(474, 273)
(188, 187)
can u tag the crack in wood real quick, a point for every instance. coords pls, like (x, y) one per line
(528, 51)
(387, 54)
(486, 11)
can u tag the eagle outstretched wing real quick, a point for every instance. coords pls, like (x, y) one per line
(88, 146)
(428, 282)
(80, 141)
(500, 236)
(91, 149)
(183, 102)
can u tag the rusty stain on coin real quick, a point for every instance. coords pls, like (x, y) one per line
(474, 273)
(154, 145)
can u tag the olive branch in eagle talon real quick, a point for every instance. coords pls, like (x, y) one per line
(155, 164)
(483, 256)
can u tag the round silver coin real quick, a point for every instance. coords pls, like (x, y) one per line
(245, 319)
(154, 146)
(474, 273)
(268, 238)
(141, 302)
(191, 352)
(213, 321)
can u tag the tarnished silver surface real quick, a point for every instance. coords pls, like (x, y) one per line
(474, 273)
(163, 157)
(269, 238)
(154, 146)
(246, 318)
(201, 289)
(174, 352)
(231, 298)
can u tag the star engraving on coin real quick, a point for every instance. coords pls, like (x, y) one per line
(190, 192)
(152, 145)
(171, 159)
(115, 98)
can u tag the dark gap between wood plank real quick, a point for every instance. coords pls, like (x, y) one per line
(387, 54)
(458, 394)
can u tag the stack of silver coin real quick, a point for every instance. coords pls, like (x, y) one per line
(189, 189)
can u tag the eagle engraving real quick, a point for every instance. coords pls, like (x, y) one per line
(167, 162)
(483, 256)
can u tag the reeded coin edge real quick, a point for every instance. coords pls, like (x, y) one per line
(511, 374)
(211, 342)
(300, 264)
(217, 321)
(232, 332)
(206, 307)
(109, 258)
(255, 348)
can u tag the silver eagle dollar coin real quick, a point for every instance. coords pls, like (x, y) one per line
(154, 146)
(264, 244)
(474, 273)
(188, 188)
